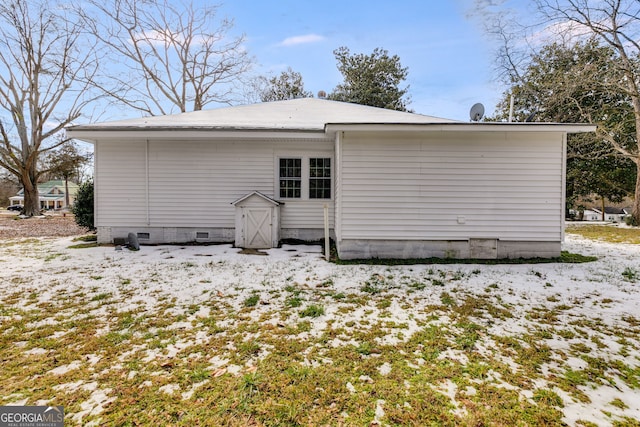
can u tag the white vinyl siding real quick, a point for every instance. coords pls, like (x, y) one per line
(193, 183)
(120, 184)
(449, 186)
(305, 213)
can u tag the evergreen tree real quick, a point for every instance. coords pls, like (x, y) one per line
(373, 79)
(288, 85)
(83, 206)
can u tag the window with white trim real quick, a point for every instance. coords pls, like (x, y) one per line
(306, 178)
(319, 178)
(291, 178)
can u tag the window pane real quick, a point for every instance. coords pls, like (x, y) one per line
(320, 178)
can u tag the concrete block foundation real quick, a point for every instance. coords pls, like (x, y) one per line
(455, 249)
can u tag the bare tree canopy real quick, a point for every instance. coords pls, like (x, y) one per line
(614, 24)
(45, 70)
(167, 56)
(572, 84)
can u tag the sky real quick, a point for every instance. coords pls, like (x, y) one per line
(442, 42)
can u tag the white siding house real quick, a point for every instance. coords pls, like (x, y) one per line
(52, 194)
(397, 184)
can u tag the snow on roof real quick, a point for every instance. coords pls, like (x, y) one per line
(305, 114)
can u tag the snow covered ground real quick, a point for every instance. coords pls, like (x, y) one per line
(600, 297)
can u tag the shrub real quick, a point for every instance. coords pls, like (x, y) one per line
(630, 220)
(83, 206)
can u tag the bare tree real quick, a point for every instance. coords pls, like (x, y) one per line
(614, 24)
(174, 57)
(45, 71)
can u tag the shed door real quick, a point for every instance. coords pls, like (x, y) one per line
(258, 228)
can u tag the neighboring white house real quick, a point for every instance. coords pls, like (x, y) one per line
(611, 214)
(591, 215)
(397, 184)
(51, 194)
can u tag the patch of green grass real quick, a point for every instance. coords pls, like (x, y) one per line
(364, 348)
(626, 422)
(293, 301)
(86, 238)
(101, 297)
(252, 301)
(547, 397)
(447, 299)
(383, 304)
(115, 338)
(565, 257)
(467, 340)
(212, 325)
(606, 233)
(618, 404)
(83, 245)
(312, 311)
(437, 282)
(418, 285)
(375, 285)
(630, 274)
(305, 326)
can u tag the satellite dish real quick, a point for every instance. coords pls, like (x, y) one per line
(476, 113)
(530, 117)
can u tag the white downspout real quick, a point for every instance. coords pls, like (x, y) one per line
(146, 181)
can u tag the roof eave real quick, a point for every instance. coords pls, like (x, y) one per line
(95, 133)
(332, 128)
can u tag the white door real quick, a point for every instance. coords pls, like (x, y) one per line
(258, 228)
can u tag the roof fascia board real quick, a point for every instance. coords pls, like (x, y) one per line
(258, 194)
(332, 128)
(92, 135)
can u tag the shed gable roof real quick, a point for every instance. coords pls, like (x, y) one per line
(259, 195)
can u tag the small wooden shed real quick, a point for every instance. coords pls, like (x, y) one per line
(257, 221)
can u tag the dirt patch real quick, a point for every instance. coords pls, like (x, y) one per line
(249, 251)
(14, 227)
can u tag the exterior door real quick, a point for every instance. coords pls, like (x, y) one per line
(258, 228)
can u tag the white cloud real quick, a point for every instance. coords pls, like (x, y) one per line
(303, 39)
(567, 32)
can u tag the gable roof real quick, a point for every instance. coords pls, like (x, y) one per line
(259, 195)
(304, 114)
(610, 210)
(44, 188)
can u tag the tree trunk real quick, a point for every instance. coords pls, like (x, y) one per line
(603, 208)
(66, 191)
(635, 210)
(29, 182)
